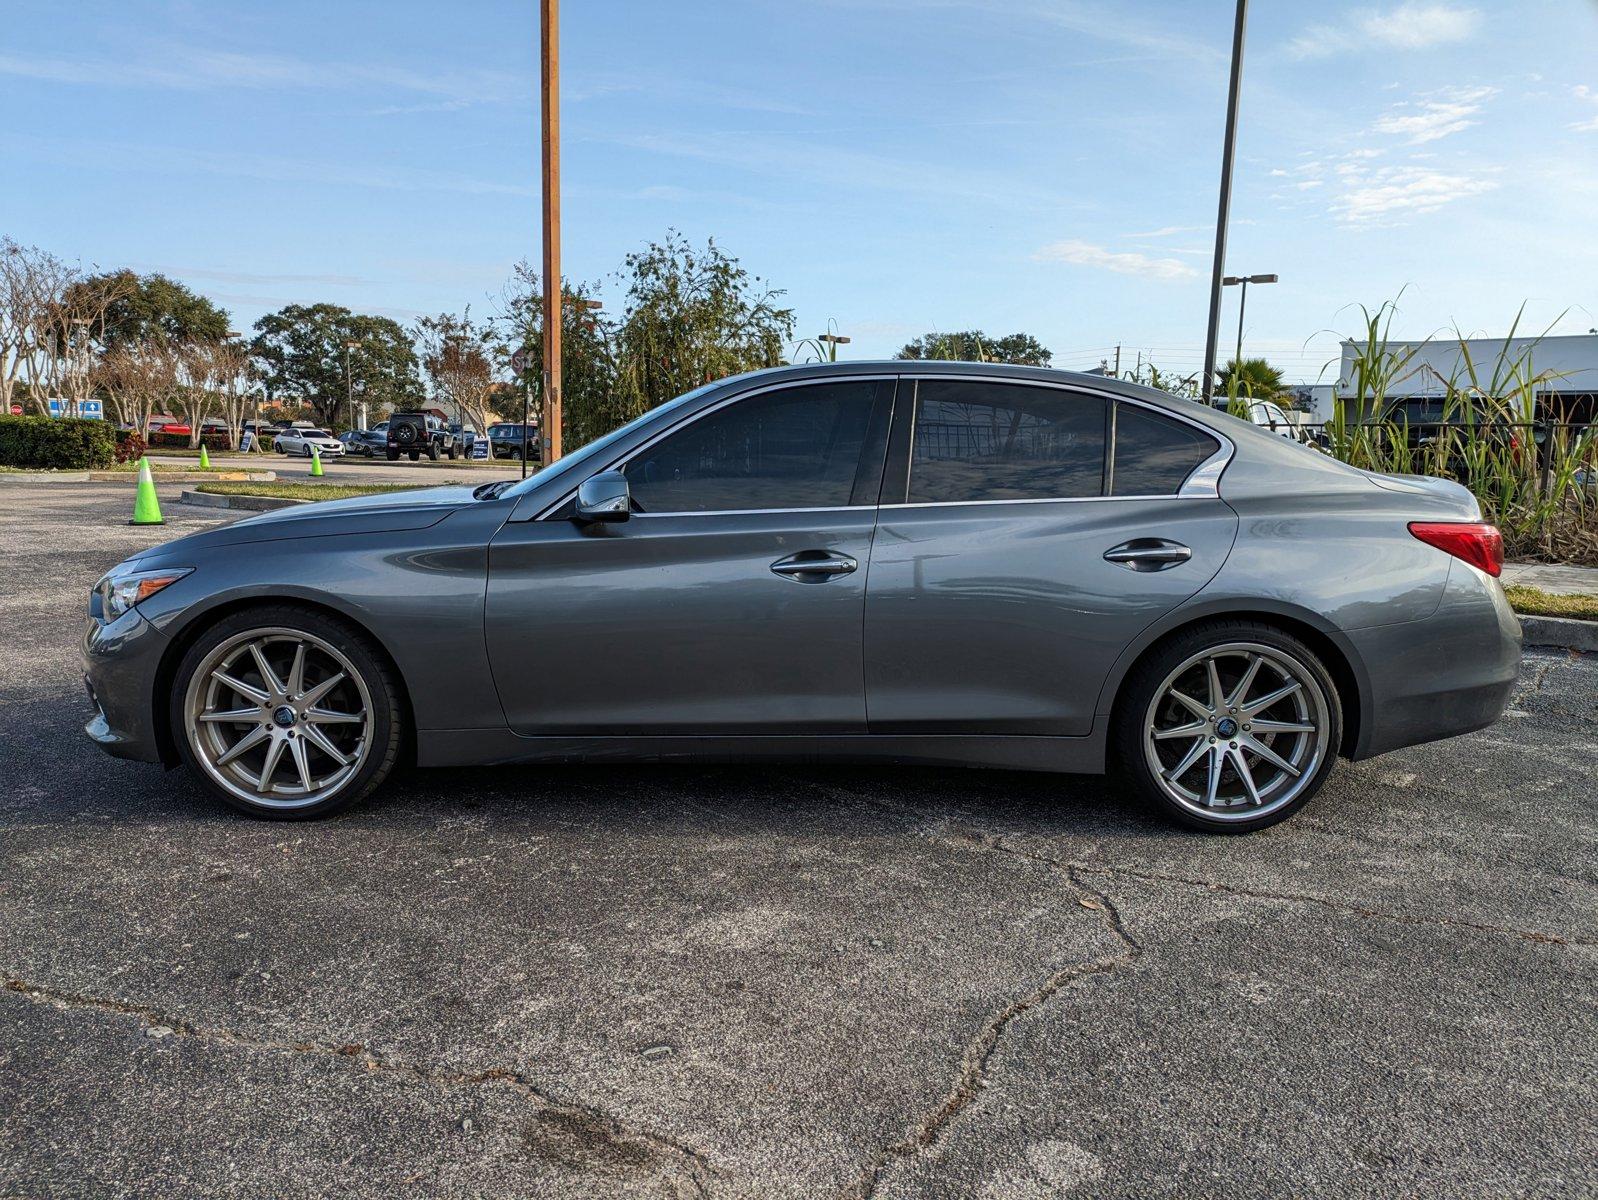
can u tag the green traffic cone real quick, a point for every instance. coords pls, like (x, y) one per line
(205, 458)
(146, 508)
(316, 463)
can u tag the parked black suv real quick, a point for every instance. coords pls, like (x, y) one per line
(505, 441)
(419, 433)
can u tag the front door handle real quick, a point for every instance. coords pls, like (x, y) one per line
(1148, 554)
(813, 566)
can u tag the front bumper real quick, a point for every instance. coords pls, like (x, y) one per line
(1449, 674)
(121, 661)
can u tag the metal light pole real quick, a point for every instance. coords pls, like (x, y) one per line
(1225, 207)
(1243, 281)
(833, 341)
(549, 94)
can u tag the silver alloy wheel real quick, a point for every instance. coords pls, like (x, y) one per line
(279, 717)
(1236, 731)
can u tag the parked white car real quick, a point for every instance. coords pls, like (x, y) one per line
(300, 441)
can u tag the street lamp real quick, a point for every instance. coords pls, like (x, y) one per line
(833, 340)
(1243, 281)
(1224, 209)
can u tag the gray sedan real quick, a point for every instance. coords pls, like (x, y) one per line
(900, 562)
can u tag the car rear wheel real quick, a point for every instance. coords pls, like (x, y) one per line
(286, 713)
(1231, 726)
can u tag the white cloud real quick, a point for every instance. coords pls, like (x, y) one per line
(1582, 92)
(1170, 230)
(1409, 26)
(1377, 197)
(1124, 262)
(1427, 120)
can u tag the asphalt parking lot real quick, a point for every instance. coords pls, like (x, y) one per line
(783, 982)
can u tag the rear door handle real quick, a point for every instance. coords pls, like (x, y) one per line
(813, 566)
(1148, 554)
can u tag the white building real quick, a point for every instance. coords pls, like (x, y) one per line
(1569, 393)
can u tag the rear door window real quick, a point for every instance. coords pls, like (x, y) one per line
(1155, 454)
(980, 441)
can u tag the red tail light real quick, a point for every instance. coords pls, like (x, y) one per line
(1476, 542)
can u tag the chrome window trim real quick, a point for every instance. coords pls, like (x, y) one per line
(1203, 483)
(622, 460)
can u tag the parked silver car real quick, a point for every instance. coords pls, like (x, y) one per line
(900, 562)
(295, 440)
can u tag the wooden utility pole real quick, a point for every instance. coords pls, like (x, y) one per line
(549, 87)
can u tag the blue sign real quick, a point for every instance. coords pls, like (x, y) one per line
(480, 447)
(91, 410)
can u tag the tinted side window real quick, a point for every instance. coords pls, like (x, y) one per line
(800, 447)
(992, 441)
(1154, 455)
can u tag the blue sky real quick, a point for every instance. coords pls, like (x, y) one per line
(895, 165)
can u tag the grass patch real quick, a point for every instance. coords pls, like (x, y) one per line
(1535, 602)
(313, 491)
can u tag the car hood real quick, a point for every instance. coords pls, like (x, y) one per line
(386, 513)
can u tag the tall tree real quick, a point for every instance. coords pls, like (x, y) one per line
(692, 316)
(460, 358)
(972, 345)
(155, 308)
(300, 352)
(590, 406)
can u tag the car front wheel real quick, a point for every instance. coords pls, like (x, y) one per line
(286, 712)
(1229, 727)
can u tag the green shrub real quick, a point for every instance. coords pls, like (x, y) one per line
(56, 443)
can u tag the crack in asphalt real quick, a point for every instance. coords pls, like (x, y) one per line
(608, 1133)
(971, 1078)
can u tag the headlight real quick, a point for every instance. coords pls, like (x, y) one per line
(123, 589)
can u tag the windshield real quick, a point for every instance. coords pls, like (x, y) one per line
(313, 433)
(596, 449)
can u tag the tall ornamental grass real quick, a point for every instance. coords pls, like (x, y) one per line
(1535, 477)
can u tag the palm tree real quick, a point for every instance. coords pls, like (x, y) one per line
(1255, 379)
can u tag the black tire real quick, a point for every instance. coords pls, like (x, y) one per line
(452, 454)
(388, 730)
(415, 455)
(1138, 695)
(432, 451)
(279, 447)
(393, 456)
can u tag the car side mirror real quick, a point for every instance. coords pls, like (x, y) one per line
(604, 497)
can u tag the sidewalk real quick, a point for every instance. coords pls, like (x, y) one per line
(1552, 577)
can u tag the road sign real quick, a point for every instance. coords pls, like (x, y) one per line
(519, 362)
(93, 410)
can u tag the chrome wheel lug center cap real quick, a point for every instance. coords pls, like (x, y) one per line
(1226, 727)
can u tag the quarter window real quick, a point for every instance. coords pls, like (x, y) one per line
(801, 447)
(1154, 455)
(989, 441)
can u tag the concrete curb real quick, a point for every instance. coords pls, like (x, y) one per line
(1564, 632)
(246, 503)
